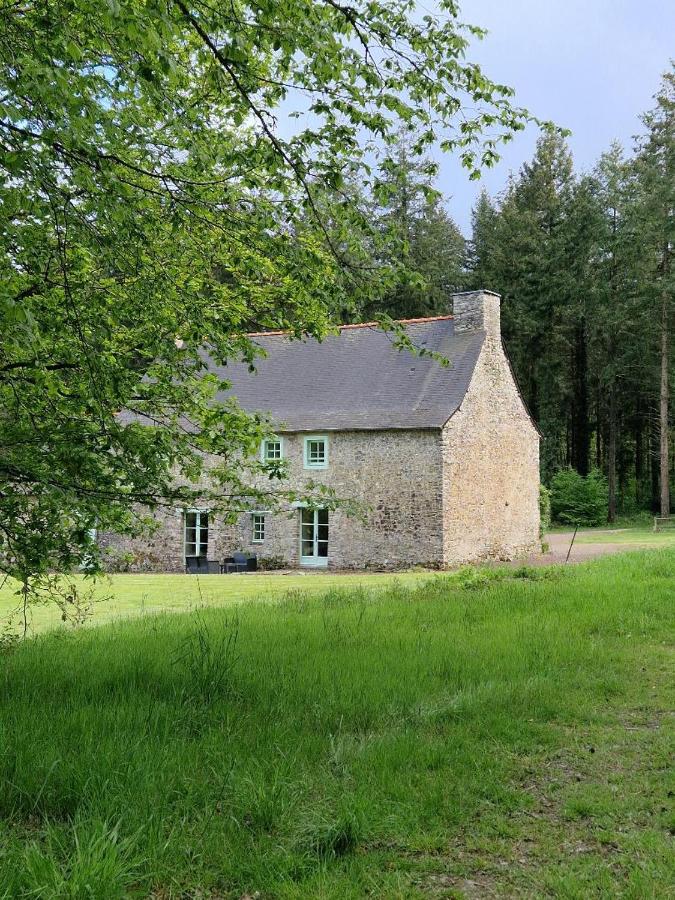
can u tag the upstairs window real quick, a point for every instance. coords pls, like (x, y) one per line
(258, 521)
(316, 452)
(272, 450)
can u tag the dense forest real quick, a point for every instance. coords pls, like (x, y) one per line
(584, 264)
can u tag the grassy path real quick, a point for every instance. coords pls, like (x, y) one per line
(597, 818)
(491, 736)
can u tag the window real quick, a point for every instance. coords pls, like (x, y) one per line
(272, 450)
(196, 532)
(316, 452)
(258, 520)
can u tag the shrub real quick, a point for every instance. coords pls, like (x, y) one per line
(544, 509)
(576, 500)
(272, 563)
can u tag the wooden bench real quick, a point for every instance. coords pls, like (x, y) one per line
(664, 523)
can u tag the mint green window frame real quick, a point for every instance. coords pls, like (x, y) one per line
(314, 536)
(196, 532)
(258, 527)
(316, 451)
(272, 449)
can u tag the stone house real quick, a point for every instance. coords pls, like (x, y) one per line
(444, 461)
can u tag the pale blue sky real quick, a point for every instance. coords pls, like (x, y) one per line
(589, 65)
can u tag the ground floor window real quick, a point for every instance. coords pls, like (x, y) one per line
(258, 520)
(314, 537)
(196, 532)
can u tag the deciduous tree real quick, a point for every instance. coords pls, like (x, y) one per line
(154, 202)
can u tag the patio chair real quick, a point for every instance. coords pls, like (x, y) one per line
(200, 565)
(192, 565)
(238, 562)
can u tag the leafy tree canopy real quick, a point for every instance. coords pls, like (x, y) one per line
(151, 205)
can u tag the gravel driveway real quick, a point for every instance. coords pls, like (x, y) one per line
(559, 544)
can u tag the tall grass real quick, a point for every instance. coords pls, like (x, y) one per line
(286, 749)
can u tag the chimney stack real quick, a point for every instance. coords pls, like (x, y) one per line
(477, 311)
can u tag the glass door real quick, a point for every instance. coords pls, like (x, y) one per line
(196, 533)
(313, 537)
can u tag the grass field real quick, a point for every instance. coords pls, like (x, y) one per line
(500, 734)
(643, 535)
(127, 596)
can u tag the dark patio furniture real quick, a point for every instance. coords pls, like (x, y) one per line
(239, 562)
(236, 563)
(200, 565)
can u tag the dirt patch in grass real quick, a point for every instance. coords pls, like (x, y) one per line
(599, 818)
(582, 550)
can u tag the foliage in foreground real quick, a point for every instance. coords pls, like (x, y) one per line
(350, 744)
(153, 213)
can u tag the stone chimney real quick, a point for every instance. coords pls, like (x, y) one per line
(477, 311)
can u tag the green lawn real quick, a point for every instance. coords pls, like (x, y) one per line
(642, 535)
(491, 734)
(125, 596)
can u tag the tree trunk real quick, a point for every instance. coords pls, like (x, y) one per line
(664, 459)
(654, 464)
(611, 456)
(598, 432)
(639, 455)
(581, 432)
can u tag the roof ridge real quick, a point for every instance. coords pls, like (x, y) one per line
(417, 321)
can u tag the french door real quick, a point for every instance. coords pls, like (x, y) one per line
(313, 537)
(196, 532)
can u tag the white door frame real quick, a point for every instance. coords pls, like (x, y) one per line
(314, 560)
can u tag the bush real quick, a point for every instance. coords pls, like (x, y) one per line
(576, 500)
(544, 509)
(272, 563)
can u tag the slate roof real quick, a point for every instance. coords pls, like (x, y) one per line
(357, 380)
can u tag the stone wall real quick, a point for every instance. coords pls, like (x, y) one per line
(490, 464)
(160, 549)
(395, 478)
(476, 311)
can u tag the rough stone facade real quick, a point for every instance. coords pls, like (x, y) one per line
(435, 497)
(393, 477)
(490, 462)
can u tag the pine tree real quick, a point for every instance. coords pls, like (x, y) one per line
(480, 249)
(585, 269)
(655, 211)
(528, 265)
(431, 248)
(617, 328)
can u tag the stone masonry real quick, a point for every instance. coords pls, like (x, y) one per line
(490, 458)
(394, 479)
